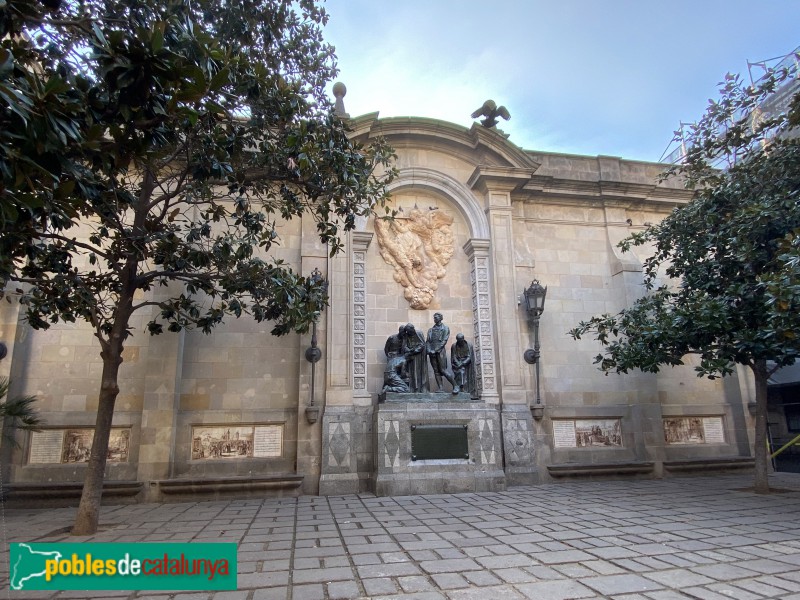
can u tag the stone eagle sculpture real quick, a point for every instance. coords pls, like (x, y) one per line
(491, 111)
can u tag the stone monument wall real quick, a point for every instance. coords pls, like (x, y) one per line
(478, 220)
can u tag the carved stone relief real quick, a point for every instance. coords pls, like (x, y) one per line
(361, 241)
(418, 244)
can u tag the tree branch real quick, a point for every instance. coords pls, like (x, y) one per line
(143, 304)
(66, 240)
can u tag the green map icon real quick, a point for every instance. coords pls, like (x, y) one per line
(27, 564)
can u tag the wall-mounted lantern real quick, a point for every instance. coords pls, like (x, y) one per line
(313, 354)
(534, 305)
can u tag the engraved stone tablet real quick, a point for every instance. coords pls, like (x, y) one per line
(715, 434)
(564, 434)
(46, 446)
(268, 441)
(439, 442)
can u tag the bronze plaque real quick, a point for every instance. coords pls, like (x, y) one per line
(438, 442)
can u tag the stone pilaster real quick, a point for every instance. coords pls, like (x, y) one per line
(478, 253)
(346, 424)
(339, 387)
(314, 255)
(496, 186)
(361, 240)
(9, 321)
(164, 363)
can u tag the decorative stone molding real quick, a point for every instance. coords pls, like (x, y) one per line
(478, 254)
(361, 241)
(444, 186)
(486, 441)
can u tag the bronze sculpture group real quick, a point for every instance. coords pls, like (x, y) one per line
(408, 353)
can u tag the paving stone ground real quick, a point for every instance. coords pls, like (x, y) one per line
(706, 538)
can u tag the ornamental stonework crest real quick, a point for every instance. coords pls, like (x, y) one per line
(418, 244)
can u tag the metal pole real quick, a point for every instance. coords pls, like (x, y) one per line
(313, 362)
(787, 445)
(536, 355)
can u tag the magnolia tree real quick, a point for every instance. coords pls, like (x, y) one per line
(731, 257)
(147, 151)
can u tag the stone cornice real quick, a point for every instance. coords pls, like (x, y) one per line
(577, 190)
(502, 166)
(506, 179)
(473, 245)
(478, 144)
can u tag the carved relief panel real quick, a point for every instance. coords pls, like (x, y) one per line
(418, 244)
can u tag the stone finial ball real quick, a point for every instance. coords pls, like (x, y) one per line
(339, 89)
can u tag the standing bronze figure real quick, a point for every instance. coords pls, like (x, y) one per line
(414, 352)
(436, 348)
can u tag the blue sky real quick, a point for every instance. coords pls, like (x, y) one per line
(611, 77)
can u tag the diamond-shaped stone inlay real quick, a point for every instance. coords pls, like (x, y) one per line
(486, 441)
(391, 443)
(518, 442)
(339, 444)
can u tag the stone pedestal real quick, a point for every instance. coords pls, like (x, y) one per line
(424, 397)
(397, 474)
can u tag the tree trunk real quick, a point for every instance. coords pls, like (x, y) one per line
(89, 509)
(88, 515)
(761, 480)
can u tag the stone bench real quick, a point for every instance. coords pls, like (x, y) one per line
(612, 468)
(66, 493)
(694, 465)
(223, 485)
